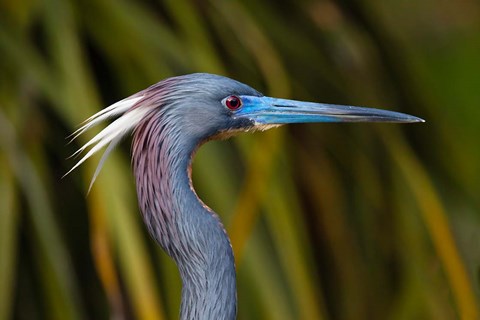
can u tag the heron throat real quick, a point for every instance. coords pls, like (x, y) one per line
(187, 230)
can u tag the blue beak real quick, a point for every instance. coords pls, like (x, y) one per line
(266, 110)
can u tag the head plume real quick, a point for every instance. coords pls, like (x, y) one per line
(129, 112)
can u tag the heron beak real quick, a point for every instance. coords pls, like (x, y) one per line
(267, 110)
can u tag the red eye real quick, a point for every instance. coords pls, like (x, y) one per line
(233, 102)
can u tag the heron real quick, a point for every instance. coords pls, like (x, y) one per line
(170, 120)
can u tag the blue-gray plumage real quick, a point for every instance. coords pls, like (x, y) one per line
(170, 120)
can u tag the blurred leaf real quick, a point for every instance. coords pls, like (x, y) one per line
(9, 216)
(57, 273)
(436, 222)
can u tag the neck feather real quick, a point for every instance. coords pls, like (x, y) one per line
(187, 230)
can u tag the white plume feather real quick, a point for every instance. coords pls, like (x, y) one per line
(113, 133)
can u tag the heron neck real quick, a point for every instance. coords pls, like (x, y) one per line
(187, 230)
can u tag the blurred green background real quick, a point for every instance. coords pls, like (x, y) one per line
(331, 221)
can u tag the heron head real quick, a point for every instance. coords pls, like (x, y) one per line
(198, 107)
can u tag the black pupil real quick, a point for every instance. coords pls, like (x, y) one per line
(233, 102)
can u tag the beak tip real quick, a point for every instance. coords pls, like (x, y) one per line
(406, 118)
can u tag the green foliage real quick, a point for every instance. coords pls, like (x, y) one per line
(332, 221)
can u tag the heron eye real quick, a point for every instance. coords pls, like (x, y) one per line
(233, 102)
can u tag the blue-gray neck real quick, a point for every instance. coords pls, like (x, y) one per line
(187, 230)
